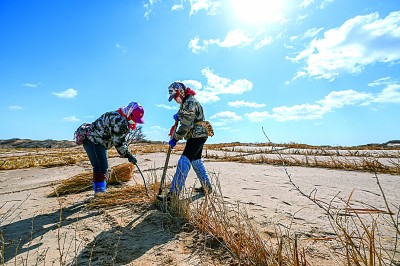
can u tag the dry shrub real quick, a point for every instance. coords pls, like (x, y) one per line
(83, 181)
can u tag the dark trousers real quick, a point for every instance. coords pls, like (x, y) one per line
(194, 148)
(98, 156)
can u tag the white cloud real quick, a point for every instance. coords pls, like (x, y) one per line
(217, 85)
(306, 3)
(71, 118)
(195, 47)
(257, 116)
(334, 100)
(148, 7)
(225, 117)
(193, 84)
(15, 107)
(158, 128)
(67, 94)
(177, 7)
(390, 94)
(381, 81)
(31, 85)
(310, 33)
(242, 103)
(300, 18)
(209, 5)
(338, 99)
(121, 47)
(359, 42)
(298, 112)
(234, 38)
(324, 4)
(167, 107)
(267, 40)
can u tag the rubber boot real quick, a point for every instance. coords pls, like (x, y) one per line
(202, 175)
(99, 183)
(180, 175)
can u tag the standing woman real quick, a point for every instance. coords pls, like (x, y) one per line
(191, 128)
(110, 129)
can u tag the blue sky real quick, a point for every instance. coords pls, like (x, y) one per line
(320, 72)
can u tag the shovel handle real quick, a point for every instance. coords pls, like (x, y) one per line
(166, 162)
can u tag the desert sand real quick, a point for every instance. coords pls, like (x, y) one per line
(34, 234)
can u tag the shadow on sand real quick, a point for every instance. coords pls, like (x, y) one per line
(122, 245)
(18, 236)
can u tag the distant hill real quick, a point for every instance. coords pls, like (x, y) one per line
(28, 143)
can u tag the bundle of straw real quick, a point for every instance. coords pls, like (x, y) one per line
(83, 182)
(78, 183)
(120, 173)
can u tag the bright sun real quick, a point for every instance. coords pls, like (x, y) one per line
(258, 12)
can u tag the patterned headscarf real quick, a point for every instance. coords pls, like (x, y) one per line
(133, 113)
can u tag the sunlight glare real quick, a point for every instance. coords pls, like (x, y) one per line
(258, 12)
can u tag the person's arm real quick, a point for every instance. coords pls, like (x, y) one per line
(119, 135)
(186, 118)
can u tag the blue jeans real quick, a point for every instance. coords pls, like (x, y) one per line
(98, 156)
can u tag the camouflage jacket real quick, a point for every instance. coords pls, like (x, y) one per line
(111, 129)
(189, 114)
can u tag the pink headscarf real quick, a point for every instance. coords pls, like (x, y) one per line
(133, 113)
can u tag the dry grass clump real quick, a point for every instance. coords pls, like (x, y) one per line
(120, 173)
(83, 181)
(230, 225)
(76, 184)
(121, 197)
(34, 157)
(28, 161)
(364, 235)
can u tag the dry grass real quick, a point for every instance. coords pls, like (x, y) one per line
(331, 162)
(125, 196)
(358, 235)
(83, 181)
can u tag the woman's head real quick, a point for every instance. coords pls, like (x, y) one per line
(177, 91)
(134, 113)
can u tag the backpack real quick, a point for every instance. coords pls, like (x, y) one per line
(81, 132)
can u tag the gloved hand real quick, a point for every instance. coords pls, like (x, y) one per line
(175, 116)
(172, 143)
(132, 159)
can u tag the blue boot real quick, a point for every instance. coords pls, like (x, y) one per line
(99, 182)
(180, 175)
(202, 175)
(100, 187)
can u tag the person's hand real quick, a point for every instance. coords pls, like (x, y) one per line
(172, 143)
(175, 116)
(132, 159)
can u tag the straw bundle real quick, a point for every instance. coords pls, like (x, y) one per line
(83, 182)
(78, 183)
(120, 173)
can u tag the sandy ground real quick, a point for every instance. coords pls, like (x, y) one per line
(34, 234)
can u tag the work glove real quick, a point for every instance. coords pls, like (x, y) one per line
(175, 116)
(132, 159)
(172, 143)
